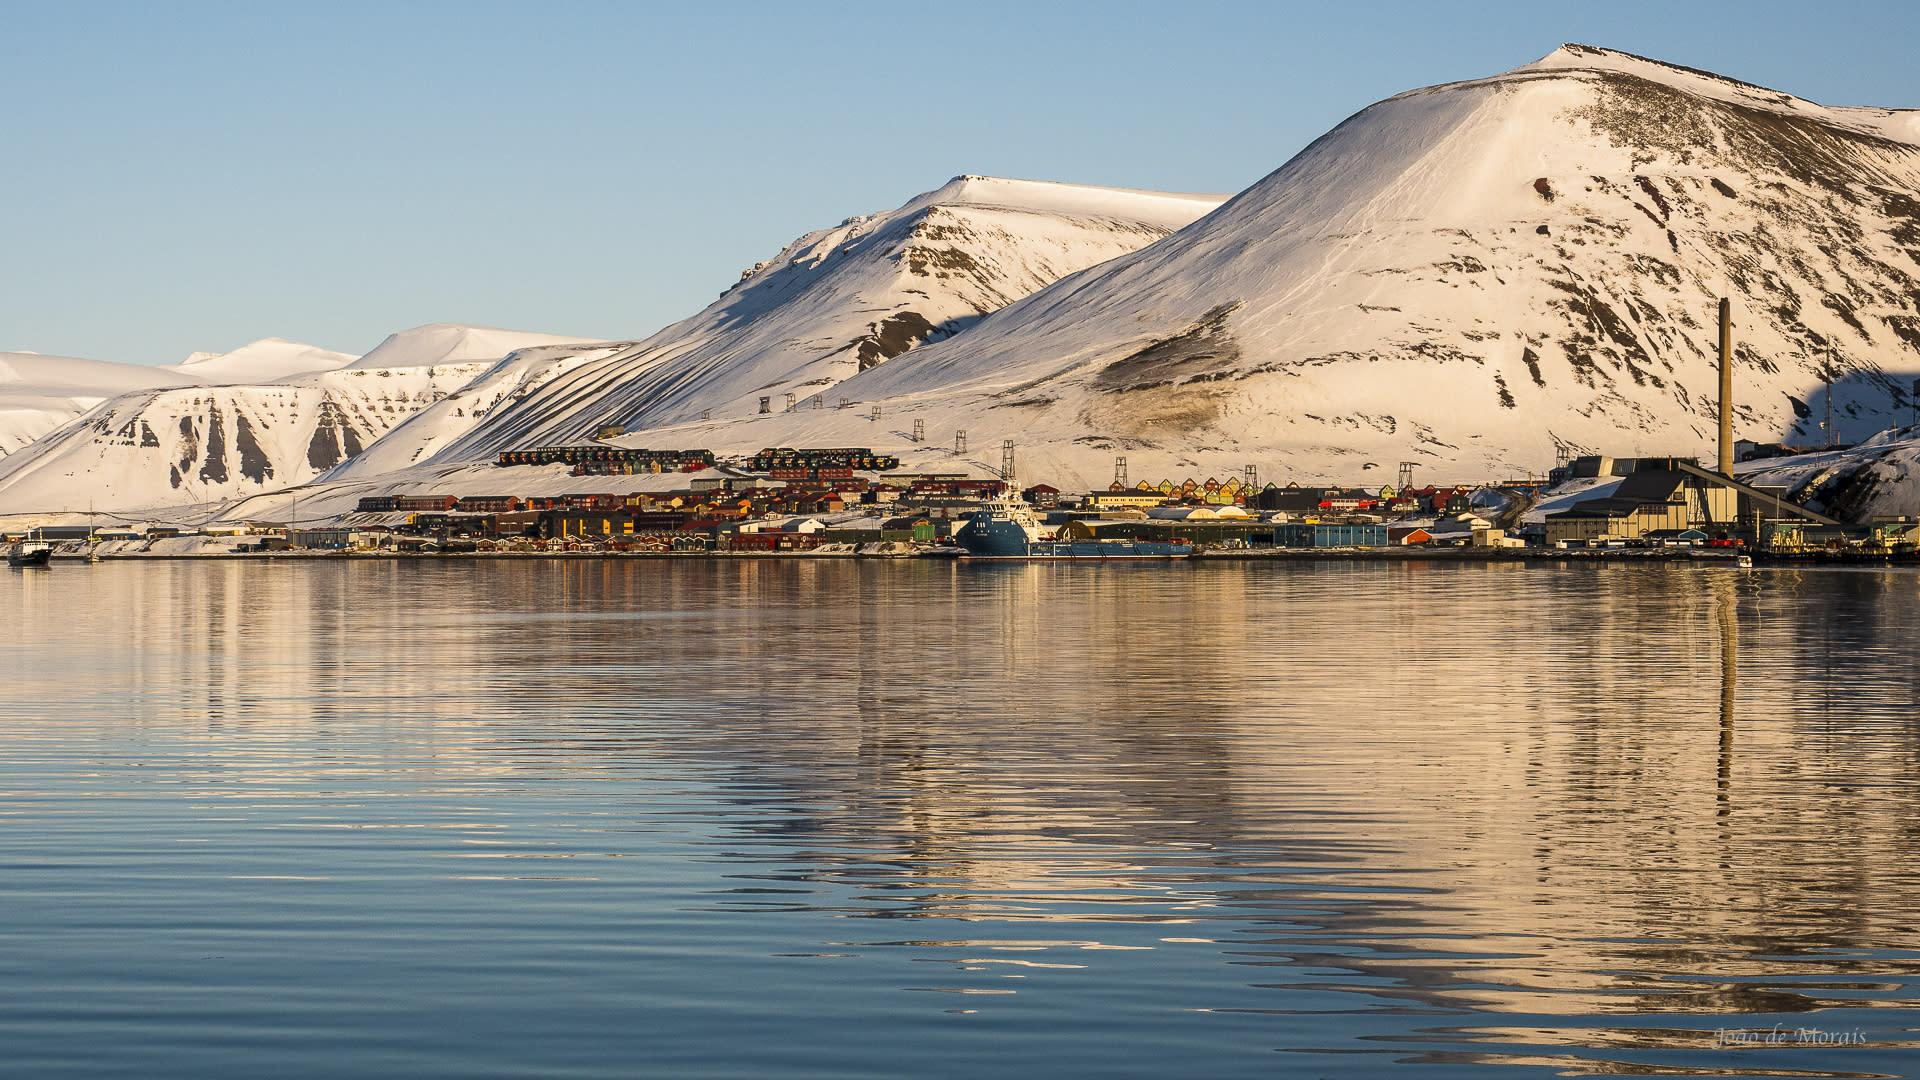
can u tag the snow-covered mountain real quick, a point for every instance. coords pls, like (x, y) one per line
(1481, 278)
(838, 301)
(266, 360)
(455, 343)
(508, 382)
(40, 393)
(1478, 277)
(174, 445)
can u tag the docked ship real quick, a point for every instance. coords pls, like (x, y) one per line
(1006, 528)
(29, 553)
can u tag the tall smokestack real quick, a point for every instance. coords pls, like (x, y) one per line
(1726, 387)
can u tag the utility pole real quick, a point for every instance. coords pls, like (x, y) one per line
(919, 430)
(1119, 474)
(1406, 475)
(1006, 463)
(1829, 421)
(1726, 387)
(960, 443)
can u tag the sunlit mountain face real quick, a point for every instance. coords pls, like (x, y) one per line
(1481, 279)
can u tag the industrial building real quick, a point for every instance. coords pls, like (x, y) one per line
(1670, 496)
(1299, 535)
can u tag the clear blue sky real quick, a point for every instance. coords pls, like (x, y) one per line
(194, 176)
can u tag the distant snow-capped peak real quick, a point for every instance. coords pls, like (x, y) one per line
(267, 360)
(454, 343)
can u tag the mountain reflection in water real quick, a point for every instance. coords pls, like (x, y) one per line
(1382, 816)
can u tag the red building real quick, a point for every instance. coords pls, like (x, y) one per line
(1045, 496)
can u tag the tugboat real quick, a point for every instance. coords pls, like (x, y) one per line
(1006, 528)
(29, 553)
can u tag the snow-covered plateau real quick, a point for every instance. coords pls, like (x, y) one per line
(1483, 278)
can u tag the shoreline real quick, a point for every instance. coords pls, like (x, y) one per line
(1464, 555)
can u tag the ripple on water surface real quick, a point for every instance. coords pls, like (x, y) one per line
(706, 818)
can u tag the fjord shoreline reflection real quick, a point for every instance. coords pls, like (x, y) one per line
(1559, 812)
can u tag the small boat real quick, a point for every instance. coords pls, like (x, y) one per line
(29, 553)
(1744, 562)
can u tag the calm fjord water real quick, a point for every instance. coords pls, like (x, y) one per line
(836, 819)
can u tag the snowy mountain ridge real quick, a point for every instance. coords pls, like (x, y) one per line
(167, 444)
(1902, 125)
(841, 300)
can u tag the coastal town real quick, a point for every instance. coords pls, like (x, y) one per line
(855, 501)
(646, 541)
